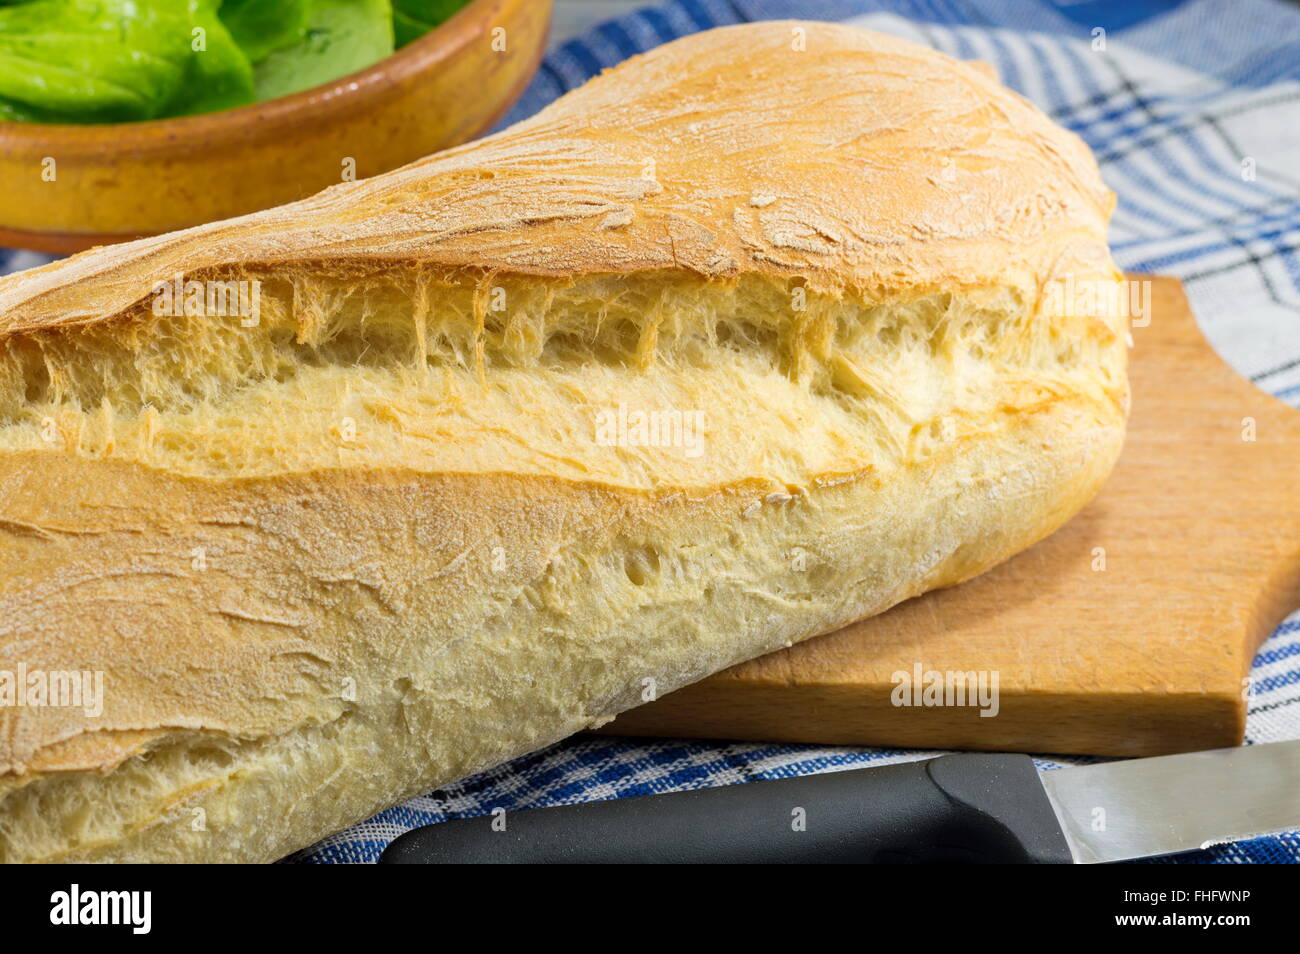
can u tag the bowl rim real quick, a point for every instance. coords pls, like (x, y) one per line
(267, 118)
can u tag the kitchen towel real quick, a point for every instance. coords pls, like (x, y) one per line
(1193, 111)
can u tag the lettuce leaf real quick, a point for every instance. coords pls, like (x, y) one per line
(414, 18)
(342, 36)
(96, 60)
(218, 76)
(261, 27)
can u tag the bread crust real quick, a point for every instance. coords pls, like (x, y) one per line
(838, 252)
(859, 162)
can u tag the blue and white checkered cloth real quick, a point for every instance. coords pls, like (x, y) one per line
(1193, 110)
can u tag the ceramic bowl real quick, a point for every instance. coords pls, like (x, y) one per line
(67, 188)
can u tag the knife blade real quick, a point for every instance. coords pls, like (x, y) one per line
(1116, 811)
(969, 807)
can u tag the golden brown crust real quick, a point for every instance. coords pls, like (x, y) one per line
(370, 544)
(858, 161)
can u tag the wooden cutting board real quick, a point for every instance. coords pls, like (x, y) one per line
(1130, 631)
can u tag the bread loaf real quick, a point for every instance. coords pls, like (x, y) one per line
(743, 340)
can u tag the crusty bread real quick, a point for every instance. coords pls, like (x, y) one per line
(375, 542)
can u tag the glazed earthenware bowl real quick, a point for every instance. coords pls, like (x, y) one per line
(66, 188)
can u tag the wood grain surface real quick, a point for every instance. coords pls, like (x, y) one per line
(1128, 632)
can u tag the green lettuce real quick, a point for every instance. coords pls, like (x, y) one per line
(414, 18)
(96, 61)
(261, 27)
(342, 36)
(219, 75)
(88, 61)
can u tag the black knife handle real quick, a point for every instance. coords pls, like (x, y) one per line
(972, 808)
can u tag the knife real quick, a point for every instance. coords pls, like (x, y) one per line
(971, 807)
